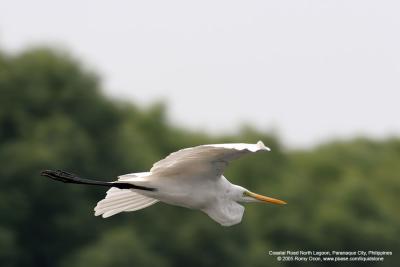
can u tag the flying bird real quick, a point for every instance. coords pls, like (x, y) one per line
(191, 178)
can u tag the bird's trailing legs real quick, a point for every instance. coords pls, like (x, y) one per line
(67, 177)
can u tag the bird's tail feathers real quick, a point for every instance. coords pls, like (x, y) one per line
(119, 200)
(67, 177)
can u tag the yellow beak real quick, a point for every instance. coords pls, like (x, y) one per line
(264, 198)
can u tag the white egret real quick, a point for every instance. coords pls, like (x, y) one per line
(191, 178)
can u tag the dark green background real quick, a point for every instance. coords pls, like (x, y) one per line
(342, 195)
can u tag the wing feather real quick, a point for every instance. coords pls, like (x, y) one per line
(119, 200)
(204, 160)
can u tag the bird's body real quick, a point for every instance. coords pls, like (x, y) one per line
(190, 178)
(214, 197)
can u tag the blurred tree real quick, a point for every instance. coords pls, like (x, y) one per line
(342, 195)
(116, 247)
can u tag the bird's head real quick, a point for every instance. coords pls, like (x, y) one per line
(244, 195)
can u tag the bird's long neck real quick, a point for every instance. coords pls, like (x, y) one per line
(67, 177)
(232, 191)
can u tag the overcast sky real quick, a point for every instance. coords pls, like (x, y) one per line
(310, 70)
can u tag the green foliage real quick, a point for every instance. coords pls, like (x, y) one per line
(123, 244)
(342, 195)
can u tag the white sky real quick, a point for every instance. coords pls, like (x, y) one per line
(312, 70)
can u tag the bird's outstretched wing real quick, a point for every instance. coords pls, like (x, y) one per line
(205, 160)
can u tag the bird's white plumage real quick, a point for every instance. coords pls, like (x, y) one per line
(192, 178)
(207, 160)
(226, 212)
(119, 200)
